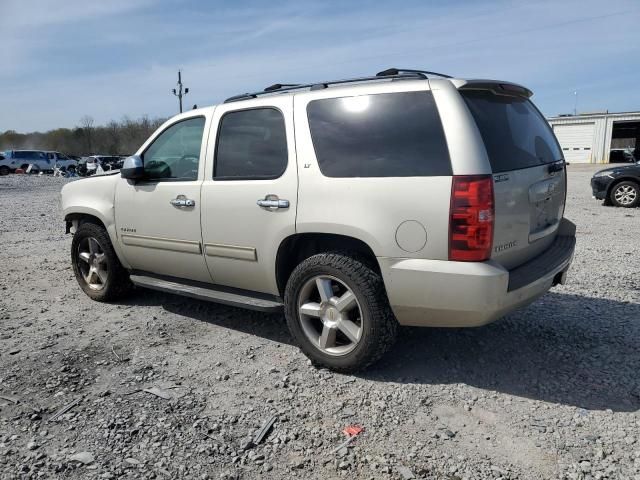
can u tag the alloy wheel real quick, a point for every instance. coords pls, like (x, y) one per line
(625, 194)
(92, 263)
(330, 315)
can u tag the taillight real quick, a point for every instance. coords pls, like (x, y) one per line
(471, 218)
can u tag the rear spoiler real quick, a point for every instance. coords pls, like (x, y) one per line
(496, 86)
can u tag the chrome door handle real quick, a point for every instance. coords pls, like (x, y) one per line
(181, 202)
(272, 201)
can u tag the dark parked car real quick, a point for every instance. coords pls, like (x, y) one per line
(621, 155)
(619, 186)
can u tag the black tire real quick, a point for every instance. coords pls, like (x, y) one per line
(379, 325)
(4, 170)
(117, 284)
(631, 200)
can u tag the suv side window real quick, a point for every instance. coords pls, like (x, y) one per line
(175, 153)
(252, 144)
(381, 135)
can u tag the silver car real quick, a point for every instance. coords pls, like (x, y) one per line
(355, 206)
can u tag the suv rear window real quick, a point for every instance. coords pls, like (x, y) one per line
(382, 135)
(515, 134)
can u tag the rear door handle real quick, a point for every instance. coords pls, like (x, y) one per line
(272, 201)
(181, 202)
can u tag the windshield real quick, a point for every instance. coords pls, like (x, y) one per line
(515, 134)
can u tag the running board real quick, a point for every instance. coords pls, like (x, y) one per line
(224, 295)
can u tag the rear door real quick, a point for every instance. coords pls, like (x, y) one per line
(250, 193)
(528, 171)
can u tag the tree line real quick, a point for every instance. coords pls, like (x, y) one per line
(114, 138)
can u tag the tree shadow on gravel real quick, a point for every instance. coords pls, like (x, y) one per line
(565, 349)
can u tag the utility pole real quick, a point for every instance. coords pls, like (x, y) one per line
(575, 103)
(178, 92)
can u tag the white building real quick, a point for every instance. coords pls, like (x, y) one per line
(597, 137)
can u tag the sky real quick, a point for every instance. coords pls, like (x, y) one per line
(63, 59)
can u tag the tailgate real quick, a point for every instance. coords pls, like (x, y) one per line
(529, 174)
(529, 205)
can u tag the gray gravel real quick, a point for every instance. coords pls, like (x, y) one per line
(552, 391)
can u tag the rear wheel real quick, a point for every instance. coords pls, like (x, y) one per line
(625, 194)
(337, 310)
(96, 266)
(4, 170)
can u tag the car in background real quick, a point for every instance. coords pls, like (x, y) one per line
(62, 161)
(23, 158)
(621, 155)
(89, 165)
(110, 162)
(619, 186)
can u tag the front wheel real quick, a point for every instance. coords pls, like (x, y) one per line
(4, 170)
(625, 194)
(337, 310)
(96, 266)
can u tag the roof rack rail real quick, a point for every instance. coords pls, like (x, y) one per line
(402, 75)
(398, 71)
(278, 86)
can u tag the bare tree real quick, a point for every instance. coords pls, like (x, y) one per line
(123, 137)
(86, 123)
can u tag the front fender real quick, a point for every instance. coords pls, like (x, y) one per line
(93, 196)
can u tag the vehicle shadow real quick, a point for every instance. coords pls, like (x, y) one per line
(566, 349)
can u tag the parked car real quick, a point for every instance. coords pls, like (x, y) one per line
(619, 186)
(621, 155)
(403, 198)
(23, 158)
(62, 161)
(109, 162)
(89, 165)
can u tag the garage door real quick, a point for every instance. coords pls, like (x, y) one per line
(576, 141)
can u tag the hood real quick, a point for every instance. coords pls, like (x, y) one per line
(619, 168)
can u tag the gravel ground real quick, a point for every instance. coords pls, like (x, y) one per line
(551, 391)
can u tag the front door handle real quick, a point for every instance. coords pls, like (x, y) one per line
(272, 201)
(181, 202)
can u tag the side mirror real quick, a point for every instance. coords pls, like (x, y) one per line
(132, 168)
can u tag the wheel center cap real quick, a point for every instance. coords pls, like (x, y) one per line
(331, 316)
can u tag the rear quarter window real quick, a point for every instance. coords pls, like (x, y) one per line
(381, 135)
(515, 133)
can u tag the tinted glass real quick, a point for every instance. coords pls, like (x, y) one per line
(515, 134)
(251, 144)
(28, 155)
(175, 154)
(383, 135)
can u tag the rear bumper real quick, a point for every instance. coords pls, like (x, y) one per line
(438, 293)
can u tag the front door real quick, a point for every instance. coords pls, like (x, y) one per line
(158, 219)
(249, 194)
